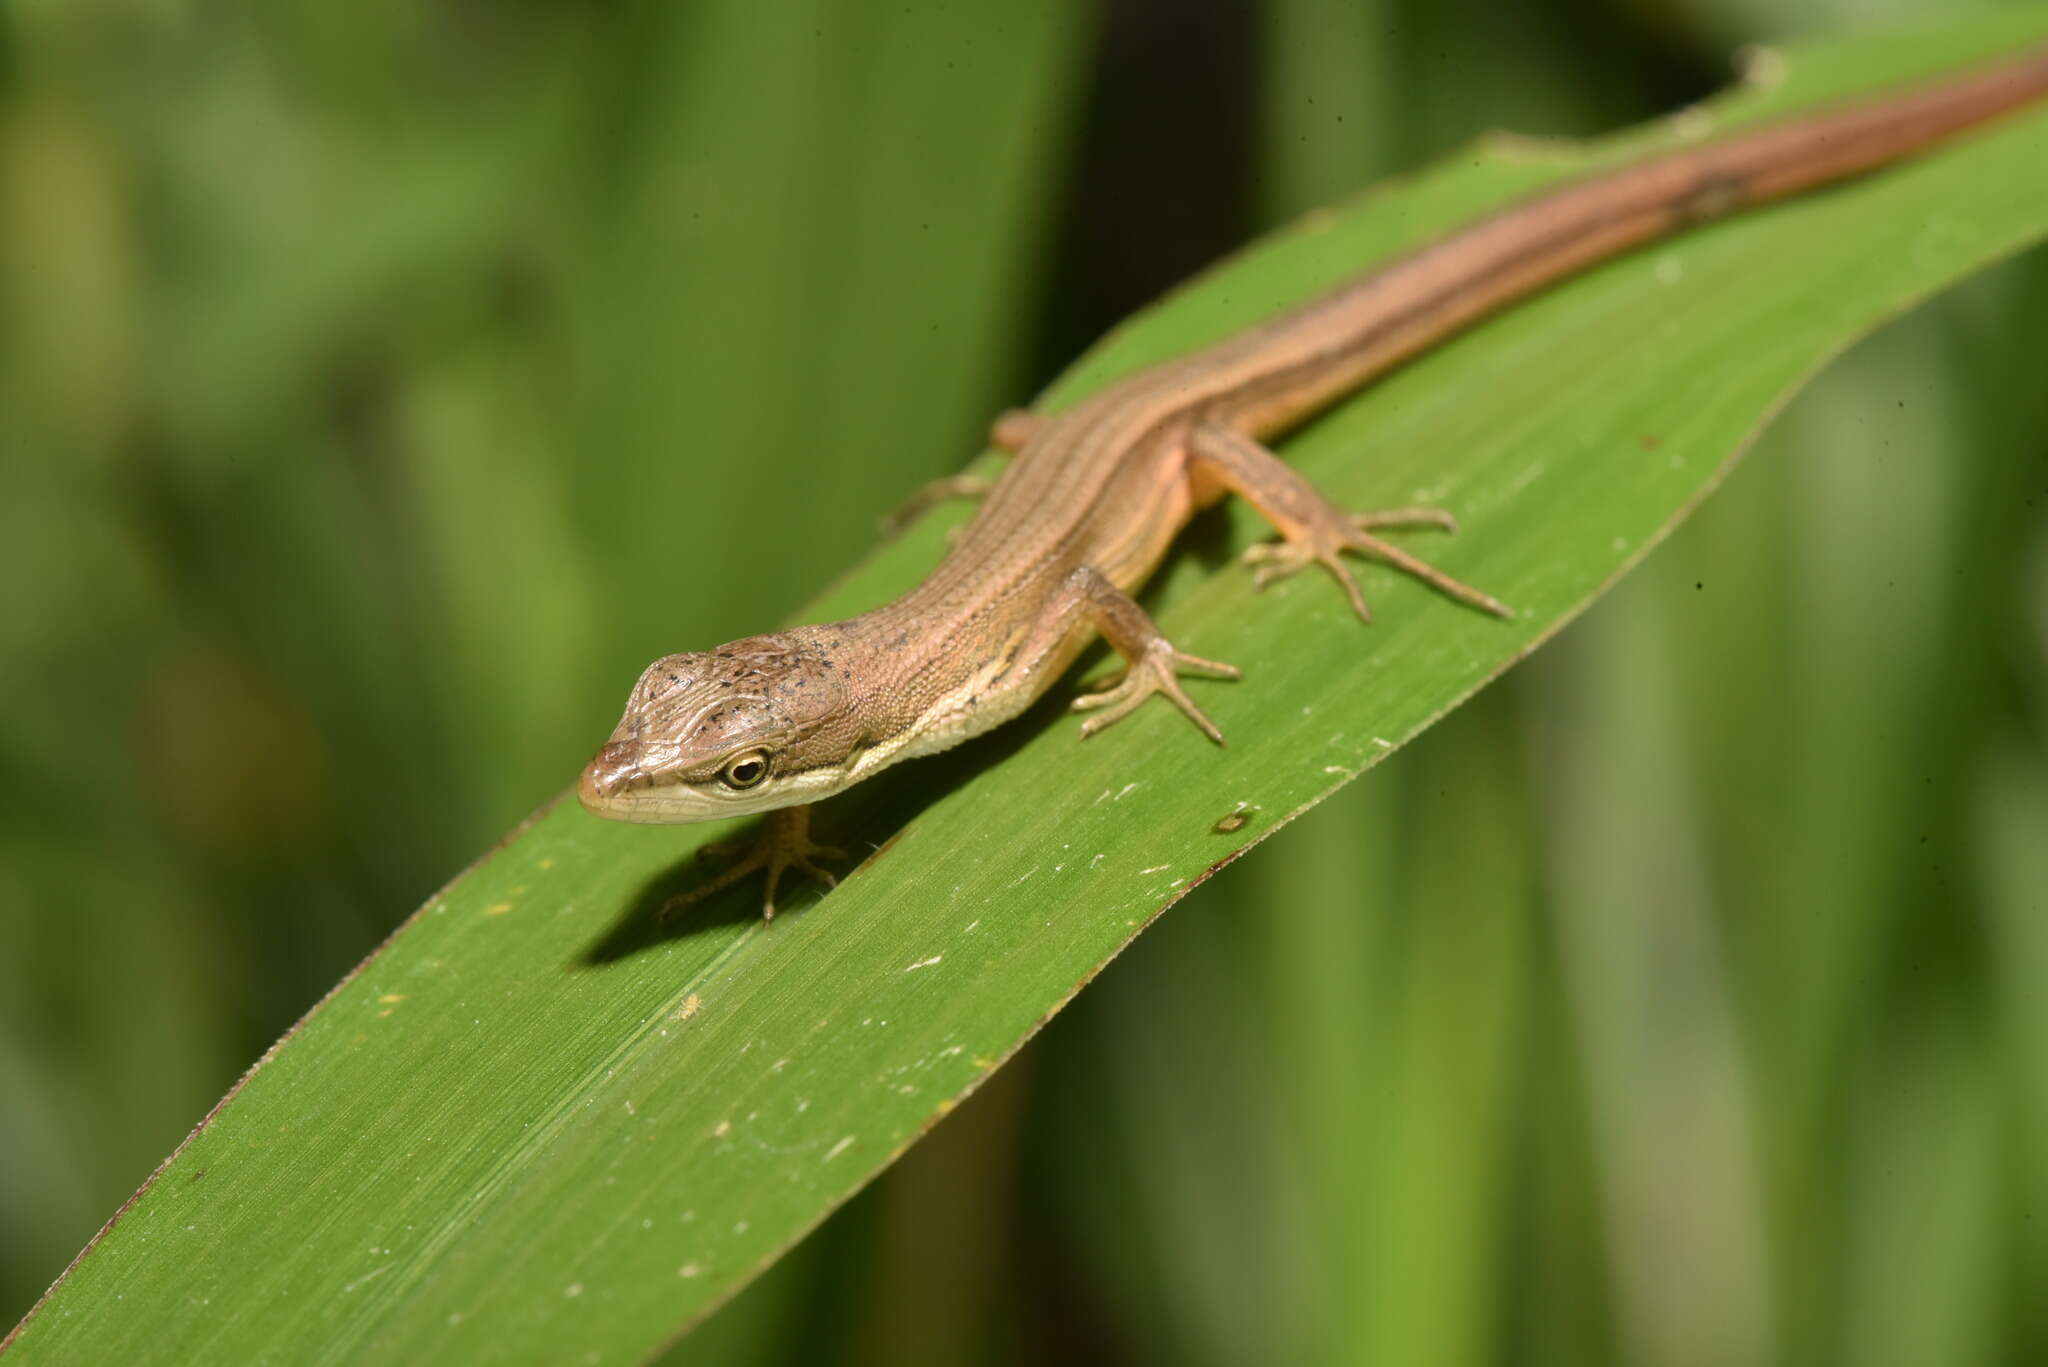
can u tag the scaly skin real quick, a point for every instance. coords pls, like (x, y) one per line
(1096, 495)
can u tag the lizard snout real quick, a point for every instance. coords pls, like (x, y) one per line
(613, 770)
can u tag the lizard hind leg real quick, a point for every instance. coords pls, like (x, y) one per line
(1312, 530)
(1151, 663)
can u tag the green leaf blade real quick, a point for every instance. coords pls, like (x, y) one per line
(537, 1126)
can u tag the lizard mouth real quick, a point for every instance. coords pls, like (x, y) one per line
(624, 782)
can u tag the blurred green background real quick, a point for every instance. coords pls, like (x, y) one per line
(383, 384)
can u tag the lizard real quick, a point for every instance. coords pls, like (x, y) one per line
(1094, 495)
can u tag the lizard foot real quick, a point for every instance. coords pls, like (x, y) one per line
(1314, 531)
(785, 843)
(1322, 540)
(1156, 670)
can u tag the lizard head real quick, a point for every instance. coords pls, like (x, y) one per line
(761, 723)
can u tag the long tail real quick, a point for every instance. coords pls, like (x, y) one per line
(1338, 341)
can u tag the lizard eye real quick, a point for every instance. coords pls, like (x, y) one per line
(745, 771)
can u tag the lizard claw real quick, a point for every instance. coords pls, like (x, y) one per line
(784, 843)
(1314, 531)
(1156, 671)
(1324, 540)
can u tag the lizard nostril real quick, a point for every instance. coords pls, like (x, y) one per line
(610, 771)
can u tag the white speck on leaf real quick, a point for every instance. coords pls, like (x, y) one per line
(1529, 476)
(839, 1148)
(369, 1276)
(924, 963)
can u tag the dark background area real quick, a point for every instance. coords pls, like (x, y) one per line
(384, 384)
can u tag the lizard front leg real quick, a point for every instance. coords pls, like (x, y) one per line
(784, 843)
(1312, 529)
(1012, 428)
(1151, 664)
